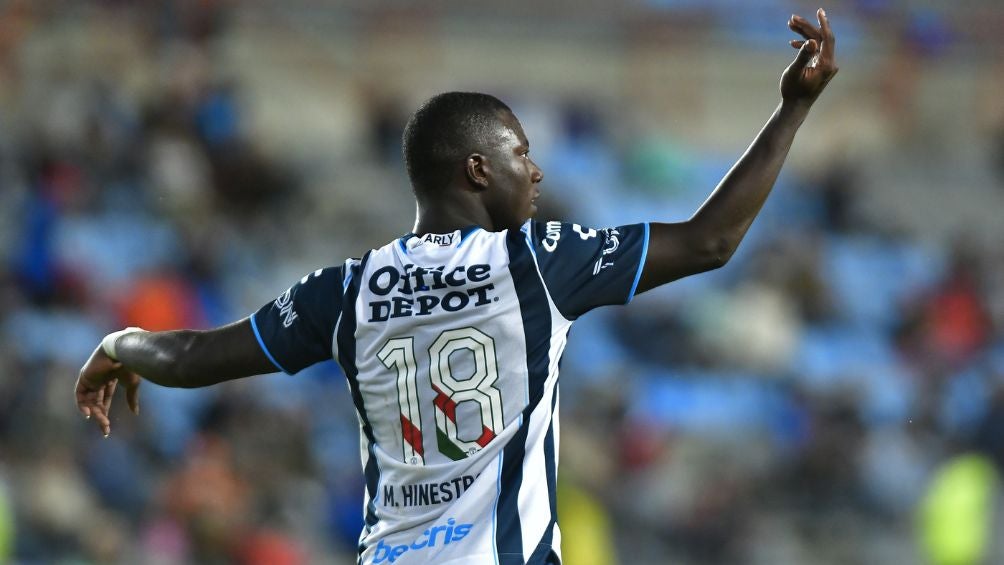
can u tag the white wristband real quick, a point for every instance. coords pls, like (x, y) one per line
(108, 343)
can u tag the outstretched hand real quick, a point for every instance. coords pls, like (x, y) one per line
(96, 386)
(814, 65)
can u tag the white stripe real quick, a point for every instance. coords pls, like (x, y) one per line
(533, 501)
(555, 418)
(495, 507)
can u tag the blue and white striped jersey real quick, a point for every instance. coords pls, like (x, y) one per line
(451, 345)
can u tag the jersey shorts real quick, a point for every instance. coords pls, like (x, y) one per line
(450, 344)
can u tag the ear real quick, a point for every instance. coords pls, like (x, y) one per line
(476, 169)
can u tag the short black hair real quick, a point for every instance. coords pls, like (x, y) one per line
(444, 131)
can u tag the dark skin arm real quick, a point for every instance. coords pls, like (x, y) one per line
(181, 358)
(708, 239)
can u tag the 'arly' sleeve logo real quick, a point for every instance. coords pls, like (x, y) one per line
(285, 305)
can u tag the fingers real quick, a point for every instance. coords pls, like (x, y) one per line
(91, 405)
(95, 388)
(104, 423)
(824, 47)
(805, 54)
(82, 403)
(96, 384)
(99, 410)
(828, 40)
(109, 394)
(132, 396)
(803, 27)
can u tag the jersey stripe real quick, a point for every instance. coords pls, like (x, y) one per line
(543, 552)
(347, 359)
(536, 314)
(465, 233)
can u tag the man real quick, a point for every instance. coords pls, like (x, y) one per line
(450, 336)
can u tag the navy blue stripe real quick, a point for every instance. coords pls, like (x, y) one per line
(464, 233)
(536, 315)
(401, 241)
(347, 359)
(542, 554)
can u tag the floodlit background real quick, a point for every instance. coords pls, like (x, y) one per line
(834, 395)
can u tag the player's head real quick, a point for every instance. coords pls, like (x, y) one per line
(467, 144)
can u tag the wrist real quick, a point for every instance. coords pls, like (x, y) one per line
(796, 106)
(108, 343)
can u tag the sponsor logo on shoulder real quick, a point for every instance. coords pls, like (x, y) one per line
(285, 301)
(440, 535)
(285, 305)
(611, 241)
(552, 234)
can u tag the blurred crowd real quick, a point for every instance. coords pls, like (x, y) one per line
(834, 395)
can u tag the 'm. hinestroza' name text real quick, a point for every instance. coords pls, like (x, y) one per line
(418, 290)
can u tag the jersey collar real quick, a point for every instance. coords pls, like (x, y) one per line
(453, 239)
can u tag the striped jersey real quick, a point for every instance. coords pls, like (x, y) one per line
(451, 344)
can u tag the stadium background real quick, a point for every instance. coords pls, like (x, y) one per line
(834, 395)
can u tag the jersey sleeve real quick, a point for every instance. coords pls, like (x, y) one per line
(296, 330)
(584, 268)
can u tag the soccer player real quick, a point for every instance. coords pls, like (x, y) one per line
(450, 336)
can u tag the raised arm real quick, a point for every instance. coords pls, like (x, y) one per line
(708, 239)
(180, 358)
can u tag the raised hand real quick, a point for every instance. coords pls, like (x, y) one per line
(96, 386)
(814, 65)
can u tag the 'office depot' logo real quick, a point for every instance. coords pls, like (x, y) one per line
(442, 535)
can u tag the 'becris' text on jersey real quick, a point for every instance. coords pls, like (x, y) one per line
(418, 291)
